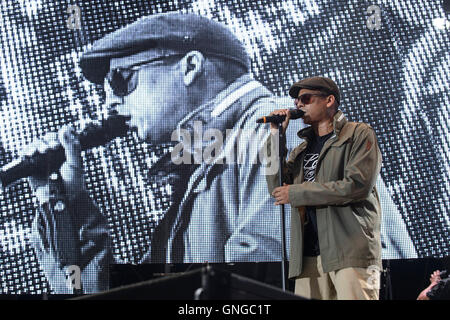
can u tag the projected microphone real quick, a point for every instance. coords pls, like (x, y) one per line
(295, 114)
(93, 135)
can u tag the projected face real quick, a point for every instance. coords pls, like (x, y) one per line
(150, 91)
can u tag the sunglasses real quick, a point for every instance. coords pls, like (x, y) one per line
(124, 81)
(307, 97)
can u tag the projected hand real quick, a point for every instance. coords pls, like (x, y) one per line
(72, 169)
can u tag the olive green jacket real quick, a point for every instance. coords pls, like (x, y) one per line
(344, 194)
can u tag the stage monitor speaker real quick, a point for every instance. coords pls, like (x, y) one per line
(207, 283)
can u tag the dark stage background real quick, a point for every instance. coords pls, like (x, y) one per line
(390, 59)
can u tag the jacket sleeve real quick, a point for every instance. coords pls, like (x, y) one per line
(70, 239)
(360, 174)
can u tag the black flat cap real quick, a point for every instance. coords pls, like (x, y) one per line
(173, 30)
(316, 83)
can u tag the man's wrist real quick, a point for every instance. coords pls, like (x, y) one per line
(55, 190)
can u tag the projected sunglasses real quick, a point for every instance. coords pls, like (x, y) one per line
(307, 97)
(124, 81)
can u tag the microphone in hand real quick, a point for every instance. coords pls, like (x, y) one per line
(93, 135)
(294, 113)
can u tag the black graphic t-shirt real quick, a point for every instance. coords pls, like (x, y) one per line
(311, 241)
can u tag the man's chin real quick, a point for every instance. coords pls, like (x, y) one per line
(151, 137)
(140, 135)
(307, 120)
(145, 137)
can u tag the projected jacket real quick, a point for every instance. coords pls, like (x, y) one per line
(347, 205)
(221, 211)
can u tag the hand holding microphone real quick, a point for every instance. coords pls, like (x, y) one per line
(281, 112)
(62, 151)
(281, 116)
(71, 171)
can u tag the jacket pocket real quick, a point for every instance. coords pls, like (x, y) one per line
(364, 220)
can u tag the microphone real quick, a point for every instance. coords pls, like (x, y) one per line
(443, 274)
(295, 114)
(92, 136)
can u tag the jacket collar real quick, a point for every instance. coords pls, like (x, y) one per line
(213, 109)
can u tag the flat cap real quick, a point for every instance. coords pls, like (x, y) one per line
(316, 83)
(179, 31)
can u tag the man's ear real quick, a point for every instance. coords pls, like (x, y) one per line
(330, 101)
(192, 66)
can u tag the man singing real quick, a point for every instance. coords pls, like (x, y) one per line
(329, 181)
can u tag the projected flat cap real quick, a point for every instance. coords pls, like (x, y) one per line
(178, 31)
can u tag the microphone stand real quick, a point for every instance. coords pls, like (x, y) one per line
(282, 211)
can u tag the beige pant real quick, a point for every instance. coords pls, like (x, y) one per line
(343, 284)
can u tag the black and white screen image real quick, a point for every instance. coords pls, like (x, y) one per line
(389, 58)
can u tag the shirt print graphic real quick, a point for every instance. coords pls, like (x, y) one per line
(309, 166)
